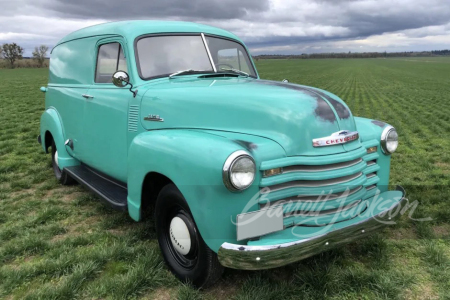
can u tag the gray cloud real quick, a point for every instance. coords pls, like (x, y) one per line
(362, 18)
(118, 9)
(390, 17)
(265, 25)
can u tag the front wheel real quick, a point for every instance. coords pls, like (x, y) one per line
(182, 246)
(60, 175)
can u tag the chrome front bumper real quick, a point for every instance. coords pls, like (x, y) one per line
(252, 257)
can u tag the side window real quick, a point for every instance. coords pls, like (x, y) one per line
(122, 64)
(110, 59)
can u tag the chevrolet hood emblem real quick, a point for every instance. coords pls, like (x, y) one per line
(337, 138)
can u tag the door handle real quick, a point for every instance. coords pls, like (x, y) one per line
(87, 96)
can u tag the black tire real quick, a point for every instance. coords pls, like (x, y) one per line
(200, 266)
(61, 176)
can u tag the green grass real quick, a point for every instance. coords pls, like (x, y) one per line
(60, 242)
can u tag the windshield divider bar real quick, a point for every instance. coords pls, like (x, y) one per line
(209, 53)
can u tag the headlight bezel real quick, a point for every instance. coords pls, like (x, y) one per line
(228, 166)
(384, 136)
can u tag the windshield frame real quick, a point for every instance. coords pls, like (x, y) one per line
(200, 34)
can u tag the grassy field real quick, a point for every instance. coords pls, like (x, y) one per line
(60, 243)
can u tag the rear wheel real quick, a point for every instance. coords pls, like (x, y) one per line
(61, 176)
(182, 246)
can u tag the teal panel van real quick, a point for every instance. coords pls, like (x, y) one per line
(240, 172)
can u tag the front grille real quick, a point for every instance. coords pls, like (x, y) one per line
(315, 191)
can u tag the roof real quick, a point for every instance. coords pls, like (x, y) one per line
(133, 29)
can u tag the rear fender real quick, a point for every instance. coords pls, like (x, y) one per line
(51, 123)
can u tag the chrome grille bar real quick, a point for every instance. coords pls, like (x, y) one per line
(314, 198)
(323, 212)
(371, 163)
(371, 175)
(371, 187)
(315, 183)
(321, 168)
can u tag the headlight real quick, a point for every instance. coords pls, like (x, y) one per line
(389, 140)
(238, 171)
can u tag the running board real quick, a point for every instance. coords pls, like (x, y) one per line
(109, 191)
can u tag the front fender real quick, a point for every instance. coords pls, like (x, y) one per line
(369, 129)
(51, 123)
(193, 160)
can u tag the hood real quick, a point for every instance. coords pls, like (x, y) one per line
(289, 114)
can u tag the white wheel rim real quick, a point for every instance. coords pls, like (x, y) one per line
(179, 236)
(56, 158)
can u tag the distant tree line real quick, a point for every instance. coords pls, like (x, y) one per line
(441, 52)
(12, 53)
(356, 55)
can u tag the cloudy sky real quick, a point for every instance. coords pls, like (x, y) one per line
(267, 26)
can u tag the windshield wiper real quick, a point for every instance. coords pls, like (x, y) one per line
(195, 71)
(185, 72)
(236, 71)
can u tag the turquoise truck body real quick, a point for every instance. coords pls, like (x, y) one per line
(206, 118)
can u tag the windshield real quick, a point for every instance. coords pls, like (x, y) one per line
(228, 54)
(164, 55)
(160, 56)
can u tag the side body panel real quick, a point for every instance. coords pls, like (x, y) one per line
(104, 144)
(71, 73)
(69, 103)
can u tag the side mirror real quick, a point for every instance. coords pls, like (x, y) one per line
(121, 79)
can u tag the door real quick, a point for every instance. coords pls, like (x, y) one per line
(104, 142)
